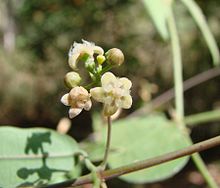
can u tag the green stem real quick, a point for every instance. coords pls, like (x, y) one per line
(107, 148)
(203, 117)
(177, 66)
(96, 181)
(106, 69)
(179, 99)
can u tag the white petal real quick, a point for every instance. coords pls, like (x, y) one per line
(73, 112)
(65, 99)
(118, 103)
(108, 99)
(85, 42)
(72, 49)
(109, 110)
(79, 104)
(97, 93)
(73, 60)
(126, 83)
(88, 105)
(126, 102)
(108, 78)
(75, 44)
(98, 50)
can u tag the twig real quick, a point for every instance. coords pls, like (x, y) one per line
(112, 173)
(169, 94)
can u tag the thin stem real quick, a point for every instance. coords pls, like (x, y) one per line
(144, 164)
(106, 68)
(107, 147)
(177, 66)
(203, 117)
(179, 100)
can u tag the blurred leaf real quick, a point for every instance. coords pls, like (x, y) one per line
(159, 10)
(35, 156)
(137, 139)
(199, 18)
(94, 149)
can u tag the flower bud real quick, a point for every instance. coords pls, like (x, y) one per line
(100, 59)
(115, 57)
(72, 79)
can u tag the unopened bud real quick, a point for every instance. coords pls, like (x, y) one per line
(115, 57)
(90, 64)
(72, 79)
(100, 59)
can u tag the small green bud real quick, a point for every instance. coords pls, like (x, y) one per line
(72, 79)
(115, 57)
(90, 65)
(100, 59)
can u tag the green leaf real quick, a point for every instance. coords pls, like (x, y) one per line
(159, 10)
(136, 139)
(140, 138)
(94, 149)
(200, 20)
(35, 156)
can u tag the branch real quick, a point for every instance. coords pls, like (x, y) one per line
(169, 94)
(147, 163)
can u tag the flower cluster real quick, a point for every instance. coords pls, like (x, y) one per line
(105, 87)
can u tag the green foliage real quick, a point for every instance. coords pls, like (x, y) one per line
(159, 10)
(140, 138)
(200, 20)
(35, 156)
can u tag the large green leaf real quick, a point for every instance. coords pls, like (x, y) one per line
(135, 139)
(21, 156)
(159, 10)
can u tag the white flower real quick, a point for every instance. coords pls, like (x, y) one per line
(78, 99)
(78, 50)
(114, 93)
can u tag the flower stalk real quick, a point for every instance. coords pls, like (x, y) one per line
(107, 147)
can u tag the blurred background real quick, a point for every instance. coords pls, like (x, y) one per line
(35, 36)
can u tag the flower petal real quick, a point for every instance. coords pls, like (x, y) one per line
(88, 105)
(97, 93)
(73, 60)
(108, 78)
(109, 110)
(85, 42)
(98, 50)
(126, 102)
(65, 99)
(126, 83)
(73, 112)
